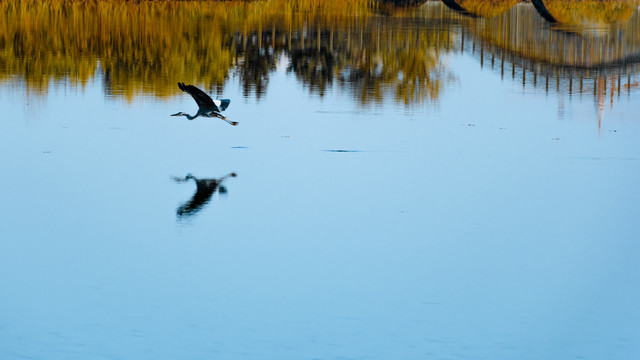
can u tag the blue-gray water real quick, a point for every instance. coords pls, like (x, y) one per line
(498, 221)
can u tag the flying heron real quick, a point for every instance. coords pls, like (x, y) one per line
(207, 107)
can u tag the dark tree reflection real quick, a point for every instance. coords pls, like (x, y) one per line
(254, 63)
(315, 67)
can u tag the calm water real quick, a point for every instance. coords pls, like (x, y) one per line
(403, 183)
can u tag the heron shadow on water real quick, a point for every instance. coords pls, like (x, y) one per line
(205, 188)
(207, 107)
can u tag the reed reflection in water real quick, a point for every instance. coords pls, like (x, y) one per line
(573, 61)
(203, 42)
(376, 53)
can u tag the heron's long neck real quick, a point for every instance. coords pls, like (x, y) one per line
(192, 117)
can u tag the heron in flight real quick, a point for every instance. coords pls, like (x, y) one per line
(207, 107)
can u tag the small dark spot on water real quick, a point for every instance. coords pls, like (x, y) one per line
(286, 136)
(46, 152)
(468, 124)
(342, 150)
(556, 139)
(239, 147)
(613, 130)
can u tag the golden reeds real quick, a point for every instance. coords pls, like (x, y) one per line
(591, 12)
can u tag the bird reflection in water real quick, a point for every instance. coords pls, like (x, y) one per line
(207, 107)
(204, 191)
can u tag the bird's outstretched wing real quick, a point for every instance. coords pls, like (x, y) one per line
(202, 99)
(222, 104)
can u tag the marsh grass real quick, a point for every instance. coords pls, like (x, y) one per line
(487, 8)
(588, 12)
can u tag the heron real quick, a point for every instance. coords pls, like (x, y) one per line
(207, 107)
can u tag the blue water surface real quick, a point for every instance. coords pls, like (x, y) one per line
(498, 222)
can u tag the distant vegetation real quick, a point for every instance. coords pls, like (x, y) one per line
(584, 12)
(487, 8)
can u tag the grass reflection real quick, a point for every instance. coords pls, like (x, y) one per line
(522, 33)
(148, 46)
(519, 44)
(135, 45)
(375, 52)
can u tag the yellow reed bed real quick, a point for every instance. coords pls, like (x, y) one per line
(487, 8)
(591, 12)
